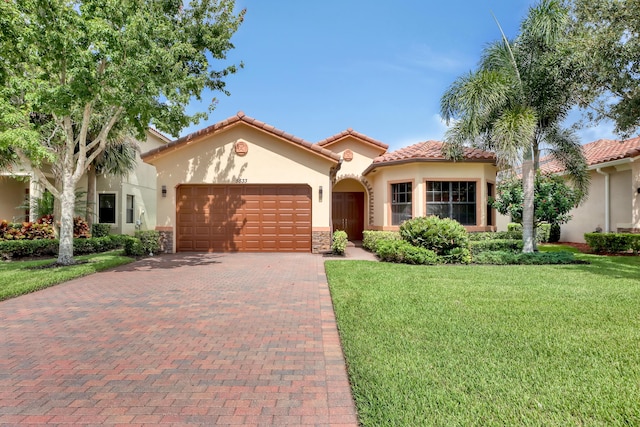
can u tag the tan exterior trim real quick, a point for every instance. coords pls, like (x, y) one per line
(320, 228)
(379, 165)
(240, 118)
(413, 200)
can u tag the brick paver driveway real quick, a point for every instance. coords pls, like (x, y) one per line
(186, 339)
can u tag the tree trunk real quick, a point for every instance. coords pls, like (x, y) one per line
(528, 213)
(91, 195)
(68, 200)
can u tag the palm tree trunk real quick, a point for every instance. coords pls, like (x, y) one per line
(528, 188)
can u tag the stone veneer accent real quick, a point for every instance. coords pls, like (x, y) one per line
(166, 240)
(320, 241)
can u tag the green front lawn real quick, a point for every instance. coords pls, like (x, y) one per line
(19, 277)
(491, 345)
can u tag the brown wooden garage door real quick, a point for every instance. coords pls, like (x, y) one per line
(246, 218)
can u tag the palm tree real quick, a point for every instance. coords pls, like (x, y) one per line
(515, 102)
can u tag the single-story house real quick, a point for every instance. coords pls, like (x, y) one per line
(127, 203)
(243, 185)
(613, 203)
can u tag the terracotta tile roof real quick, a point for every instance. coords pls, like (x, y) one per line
(159, 134)
(598, 152)
(232, 121)
(350, 132)
(429, 150)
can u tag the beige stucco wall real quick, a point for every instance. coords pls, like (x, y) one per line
(270, 160)
(12, 196)
(418, 173)
(591, 214)
(141, 184)
(363, 155)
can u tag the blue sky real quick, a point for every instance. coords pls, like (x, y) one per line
(316, 68)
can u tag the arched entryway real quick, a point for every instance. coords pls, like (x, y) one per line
(348, 206)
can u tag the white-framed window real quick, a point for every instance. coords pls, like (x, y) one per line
(107, 208)
(401, 202)
(130, 210)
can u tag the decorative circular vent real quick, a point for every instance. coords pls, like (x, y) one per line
(347, 155)
(241, 148)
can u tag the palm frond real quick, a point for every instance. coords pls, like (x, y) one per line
(513, 133)
(564, 146)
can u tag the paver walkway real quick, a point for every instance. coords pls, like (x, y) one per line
(185, 339)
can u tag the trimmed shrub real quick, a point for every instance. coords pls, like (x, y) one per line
(339, 242)
(543, 231)
(370, 238)
(535, 258)
(133, 247)
(613, 242)
(150, 240)
(49, 247)
(502, 245)
(441, 235)
(80, 228)
(554, 233)
(401, 251)
(28, 248)
(495, 235)
(100, 230)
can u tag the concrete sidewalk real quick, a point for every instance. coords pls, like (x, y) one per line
(184, 339)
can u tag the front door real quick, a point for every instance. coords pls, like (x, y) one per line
(348, 213)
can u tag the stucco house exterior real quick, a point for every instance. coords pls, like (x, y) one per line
(244, 185)
(127, 203)
(613, 203)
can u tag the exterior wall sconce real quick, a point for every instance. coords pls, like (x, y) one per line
(164, 191)
(320, 193)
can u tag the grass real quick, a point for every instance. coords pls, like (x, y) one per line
(20, 277)
(491, 345)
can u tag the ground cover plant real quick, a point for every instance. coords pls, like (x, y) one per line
(22, 277)
(491, 345)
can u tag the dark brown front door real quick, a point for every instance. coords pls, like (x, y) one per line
(348, 213)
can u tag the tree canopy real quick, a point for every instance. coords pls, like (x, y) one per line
(606, 44)
(72, 71)
(515, 101)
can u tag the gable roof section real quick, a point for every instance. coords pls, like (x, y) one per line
(382, 147)
(240, 118)
(597, 153)
(427, 151)
(159, 134)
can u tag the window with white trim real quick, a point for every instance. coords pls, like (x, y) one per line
(107, 208)
(401, 204)
(130, 205)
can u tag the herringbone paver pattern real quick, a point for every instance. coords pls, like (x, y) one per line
(186, 339)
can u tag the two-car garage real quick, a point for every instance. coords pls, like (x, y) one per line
(243, 218)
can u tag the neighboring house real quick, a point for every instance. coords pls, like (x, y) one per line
(127, 203)
(613, 203)
(243, 185)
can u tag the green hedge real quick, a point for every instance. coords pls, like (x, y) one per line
(535, 258)
(613, 242)
(496, 235)
(545, 232)
(404, 252)
(504, 245)
(370, 238)
(339, 242)
(49, 247)
(100, 230)
(142, 244)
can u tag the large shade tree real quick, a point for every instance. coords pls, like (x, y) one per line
(515, 101)
(606, 41)
(73, 70)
